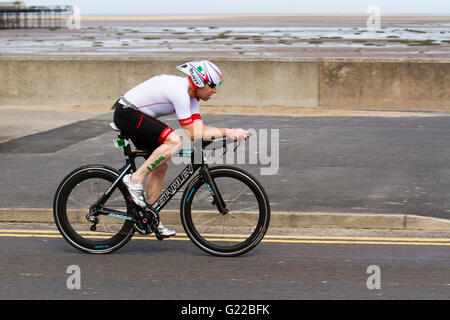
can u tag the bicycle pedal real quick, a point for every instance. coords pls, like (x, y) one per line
(159, 236)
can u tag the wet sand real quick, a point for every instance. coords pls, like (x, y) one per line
(290, 36)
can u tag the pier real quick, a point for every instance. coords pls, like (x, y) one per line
(15, 15)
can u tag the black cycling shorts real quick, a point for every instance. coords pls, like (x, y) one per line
(146, 133)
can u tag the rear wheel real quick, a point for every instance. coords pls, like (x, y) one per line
(235, 232)
(73, 200)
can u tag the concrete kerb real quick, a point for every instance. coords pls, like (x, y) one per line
(278, 220)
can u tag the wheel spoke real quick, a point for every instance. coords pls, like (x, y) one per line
(230, 202)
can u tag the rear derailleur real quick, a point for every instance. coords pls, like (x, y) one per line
(92, 218)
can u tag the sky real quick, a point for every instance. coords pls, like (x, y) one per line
(251, 6)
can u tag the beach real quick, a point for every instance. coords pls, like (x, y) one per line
(259, 36)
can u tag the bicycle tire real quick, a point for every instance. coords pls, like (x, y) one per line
(68, 219)
(195, 214)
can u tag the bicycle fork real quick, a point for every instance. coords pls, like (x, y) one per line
(214, 190)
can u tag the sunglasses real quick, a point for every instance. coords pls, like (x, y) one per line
(211, 85)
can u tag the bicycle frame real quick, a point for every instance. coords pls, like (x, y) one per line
(176, 184)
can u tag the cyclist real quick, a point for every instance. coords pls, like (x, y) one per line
(137, 112)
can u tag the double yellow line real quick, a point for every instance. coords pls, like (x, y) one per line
(5, 233)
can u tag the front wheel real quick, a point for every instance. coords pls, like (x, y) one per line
(241, 228)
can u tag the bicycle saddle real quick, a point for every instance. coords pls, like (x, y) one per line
(121, 135)
(114, 127)
(125, 137)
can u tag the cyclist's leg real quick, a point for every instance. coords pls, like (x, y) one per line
(155, 136)
(155, 168)
(149, 134)
(155, 181)
(170, 146)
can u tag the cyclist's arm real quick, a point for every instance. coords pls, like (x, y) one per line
(191, 121)
(198, 130)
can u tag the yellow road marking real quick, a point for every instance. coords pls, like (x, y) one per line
(362, 242)
(278, 237)
(236, 238)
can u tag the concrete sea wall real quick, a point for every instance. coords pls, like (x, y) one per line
(397, 84)
(365, 84)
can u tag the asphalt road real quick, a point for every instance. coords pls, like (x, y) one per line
(395, 165)
(325, 164)
(36, 264)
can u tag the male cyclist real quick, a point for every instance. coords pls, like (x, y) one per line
(136, 115)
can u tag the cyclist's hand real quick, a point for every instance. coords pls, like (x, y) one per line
(237, 134)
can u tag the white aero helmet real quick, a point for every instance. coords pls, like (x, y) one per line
(201, 72)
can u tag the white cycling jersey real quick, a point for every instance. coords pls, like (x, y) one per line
(164, 95)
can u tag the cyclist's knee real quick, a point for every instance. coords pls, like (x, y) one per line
(175, 141)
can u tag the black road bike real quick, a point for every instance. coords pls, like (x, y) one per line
(224, 210)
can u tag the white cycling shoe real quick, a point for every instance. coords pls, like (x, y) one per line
(164, 232)
(136, 191)
(137, 194)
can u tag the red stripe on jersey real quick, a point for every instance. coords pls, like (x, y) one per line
(186, 122)
(196, 116)
(166, 132)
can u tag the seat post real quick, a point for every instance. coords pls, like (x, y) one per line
(127, 148)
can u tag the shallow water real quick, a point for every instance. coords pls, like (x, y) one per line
(277, 40)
